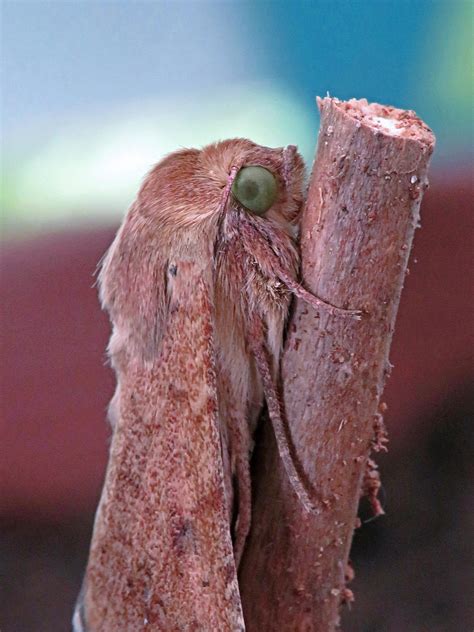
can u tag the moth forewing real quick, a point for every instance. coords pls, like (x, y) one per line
(162, 553)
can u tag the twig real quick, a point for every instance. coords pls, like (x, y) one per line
(363, 204)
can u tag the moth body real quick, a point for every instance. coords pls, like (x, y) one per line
(196, 286)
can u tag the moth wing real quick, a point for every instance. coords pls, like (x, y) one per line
(161, 553)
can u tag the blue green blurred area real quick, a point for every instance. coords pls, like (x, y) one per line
(93, 93)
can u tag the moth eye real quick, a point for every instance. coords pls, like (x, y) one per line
(255, 188)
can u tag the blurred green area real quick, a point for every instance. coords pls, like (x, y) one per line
(90, 170)
(83, 164)
(444, 79)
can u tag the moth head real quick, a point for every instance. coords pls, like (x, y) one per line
(194, 187)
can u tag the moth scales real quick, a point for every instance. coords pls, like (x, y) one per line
(197, 283)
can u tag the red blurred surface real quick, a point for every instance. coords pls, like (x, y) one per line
(56, 385)
(54, 379)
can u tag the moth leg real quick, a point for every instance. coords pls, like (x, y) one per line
(274, 265)
(237, 432)
(240, 444)
(313, 300)
(275, 412)
(244, 518)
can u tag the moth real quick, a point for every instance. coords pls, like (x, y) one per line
(197, 283)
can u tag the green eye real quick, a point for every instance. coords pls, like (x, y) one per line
(255, 188)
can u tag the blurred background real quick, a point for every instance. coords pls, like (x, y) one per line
(92, 94)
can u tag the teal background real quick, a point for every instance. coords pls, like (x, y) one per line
(93, 93)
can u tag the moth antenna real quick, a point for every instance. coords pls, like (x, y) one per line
(228, 187)
(226, 193)
(317, 303)
(288, 159)
(260, 354)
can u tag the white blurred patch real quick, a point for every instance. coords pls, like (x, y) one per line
(89, 170)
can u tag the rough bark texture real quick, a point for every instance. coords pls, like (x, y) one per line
(362, 209)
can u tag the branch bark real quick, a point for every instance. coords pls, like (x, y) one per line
(362, 209)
